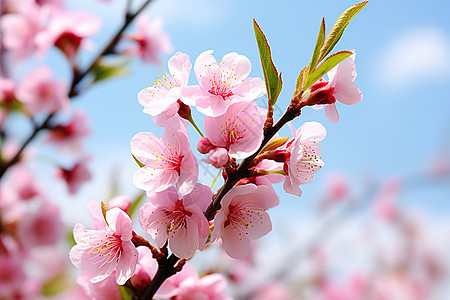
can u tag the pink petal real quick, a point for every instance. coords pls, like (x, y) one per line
(331, 113)
(204, 61)
(235, 245)
(127, 263)
(237, 64)
(180, 67)
(184, 241)
(250, 89)
(120, 223)
(291, 188)
(311, 132)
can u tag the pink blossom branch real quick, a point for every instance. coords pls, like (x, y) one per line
(77, 78)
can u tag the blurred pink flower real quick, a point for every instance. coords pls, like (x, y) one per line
(68, 136)
(304, 160)
(177, 219)
(151, 38)
(160, 100)
(275, 290)
(210, 287)
(23, 183)
(167, 161)
(21, 28)
(239, 129)
(7, 87)
(67, 30)
(384, 201)
(243, 217)
(102, 290)
(41, 228)
(39, 92)
(75, 176)
(222, 84)
(102, 252)
(12, 276)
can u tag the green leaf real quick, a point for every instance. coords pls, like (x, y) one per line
(125, 292)
(319, 44)
(271, 76)
(326, 66)
(339, 27)
(141, 165)
(275, 143)
(109, 68)
(299, 83)
(134, 205)
(55, 285)
(104, 209)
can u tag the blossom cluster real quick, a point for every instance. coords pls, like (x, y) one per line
(175, 215)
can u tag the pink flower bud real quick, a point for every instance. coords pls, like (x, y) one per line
(140, 279)
(121, 202)
(204, 145)
(281, 155)
(321, 93)
(218, 157)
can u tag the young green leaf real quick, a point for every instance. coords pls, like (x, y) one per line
(104, 209)
(299, 82)
(141, 165)
(339, 27)
(125, 292)
(319, 44)
(326, 66)
(109, 68)
(274, 143)
(271, 76)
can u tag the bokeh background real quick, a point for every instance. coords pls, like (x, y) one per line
(395, 143)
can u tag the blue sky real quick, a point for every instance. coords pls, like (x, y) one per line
(403, 65)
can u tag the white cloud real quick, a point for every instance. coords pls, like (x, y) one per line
(422, 53)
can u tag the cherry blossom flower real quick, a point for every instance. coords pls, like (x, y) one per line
(178, 219)
(20, 29)
(167, 161)
(68, 136)
(340, 87)
(170, 286)
(161, 99)
(68, 30)
(23, 183)
(96, 213)
(304, 160)
(102, 252)
(151, 38)
(243, 217)
(75, 176)
(39, 92)
(12, 275)
(222, 84)
(239, 129)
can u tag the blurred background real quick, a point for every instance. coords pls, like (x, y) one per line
(375, 223)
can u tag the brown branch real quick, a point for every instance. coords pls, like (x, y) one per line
(77, 78)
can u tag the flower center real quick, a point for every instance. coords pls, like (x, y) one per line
(221, 81)
(108, 247)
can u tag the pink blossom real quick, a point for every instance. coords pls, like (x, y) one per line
(68, 136)
(145, 269)
(222, 84)
(23, 183)
(204, 145)
(243, 217)
(384, 201)
(170, 286)
(211, 287)
(275, 290)
(151, 38)
(161, 99)
(167, 161)
(218, 157)
(12, 276)
(7, 98)
(75, 176)
(178, 219)
(20, 29)
(39, 92)
(102, 290)
(122, 202)
(102, 252)
(341, 87)
(67, 30)
(304, 160)
(239, 129)
(41, 228)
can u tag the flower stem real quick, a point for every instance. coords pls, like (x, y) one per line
(191, 120)
(217, 176)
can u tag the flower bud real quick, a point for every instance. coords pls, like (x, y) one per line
(121, 202)
(140, 279)
(281, 155)
(204, 145)
(184, 111)
(218, 157)
(321, 93)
